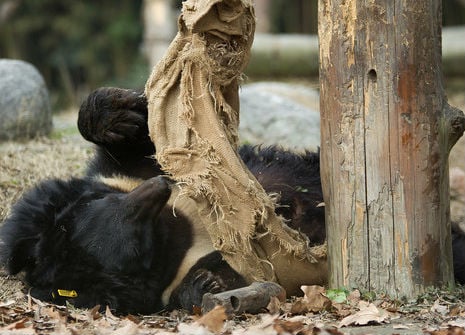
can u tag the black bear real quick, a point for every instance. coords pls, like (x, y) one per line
(111, 237)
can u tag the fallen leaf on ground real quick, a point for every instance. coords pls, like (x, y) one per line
(214, 320)
(367, 313)
(315, 298)
(52, 313)
(400, 326)
(341, 310)
(7, 303)
(274, 306)
(288, 327)
(438, 308)
(94, 314)
(298, 307)
(192, 329)
(264, 327)
(327, 331)
(127, 327)
(448, 331)
(21, 324)
(354, 297)
(457, 323)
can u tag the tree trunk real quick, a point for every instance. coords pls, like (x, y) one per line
(386, 132)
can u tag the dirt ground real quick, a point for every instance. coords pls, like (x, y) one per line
(65, 154)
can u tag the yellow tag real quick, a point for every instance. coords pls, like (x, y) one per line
(67, 293)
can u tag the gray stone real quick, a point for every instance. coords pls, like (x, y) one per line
(280, 113)
(24, 101)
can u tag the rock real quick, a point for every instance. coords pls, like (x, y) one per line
(457, 197)
(24, 103)
(280, 113)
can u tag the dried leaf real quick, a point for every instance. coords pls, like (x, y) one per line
(127, 328)
(102, 323)
(22, 331)
(328, 331)
(109, 314)
(354, 297)
(274, 306)
(299, 306)
(36, 301)
(265, 327)
(197, 310)
(342, 310)
(286, 326)
(438, 308)
(367, 313)
(315, 298)
(7, 303)
(78, 315)
(94, 314)
(21, 324)
(214, 320)
(439, 332)
(449, 331)
(456, 311)
(457, 323)
(52, 313)
(192, 329)
(400, 326)
(133, 318)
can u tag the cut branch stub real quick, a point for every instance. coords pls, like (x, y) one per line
(193, 120)
(250, 299)
(455, 125)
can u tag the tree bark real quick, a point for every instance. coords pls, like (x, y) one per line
(386, 133)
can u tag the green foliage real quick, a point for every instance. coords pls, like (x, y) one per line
(297, 16)
(301, 16)
(337, 295)
(58, 134)
(369, 296)
(76, 45)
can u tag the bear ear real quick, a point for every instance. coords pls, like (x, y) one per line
(20, 255)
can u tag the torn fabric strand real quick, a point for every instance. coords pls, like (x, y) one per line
(193, 121)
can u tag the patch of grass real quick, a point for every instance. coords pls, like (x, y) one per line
(58, 134)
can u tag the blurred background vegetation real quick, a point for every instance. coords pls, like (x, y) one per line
(76, 45)
(81, 45)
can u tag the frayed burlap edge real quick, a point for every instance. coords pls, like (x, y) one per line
(193, 120)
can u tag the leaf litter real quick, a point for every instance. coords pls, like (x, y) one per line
(436, 313)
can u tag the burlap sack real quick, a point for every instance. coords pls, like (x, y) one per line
(193, 120)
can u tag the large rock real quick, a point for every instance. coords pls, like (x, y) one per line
(24, 101)
(280, 113)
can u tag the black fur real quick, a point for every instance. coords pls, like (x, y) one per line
(123, 249)
(296, 180)
(106, 245)
(458, 248)
(116, 121)
(210, 274)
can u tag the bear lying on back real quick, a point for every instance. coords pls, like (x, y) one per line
(113, 238)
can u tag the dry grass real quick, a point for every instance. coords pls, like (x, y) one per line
(22, 165)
